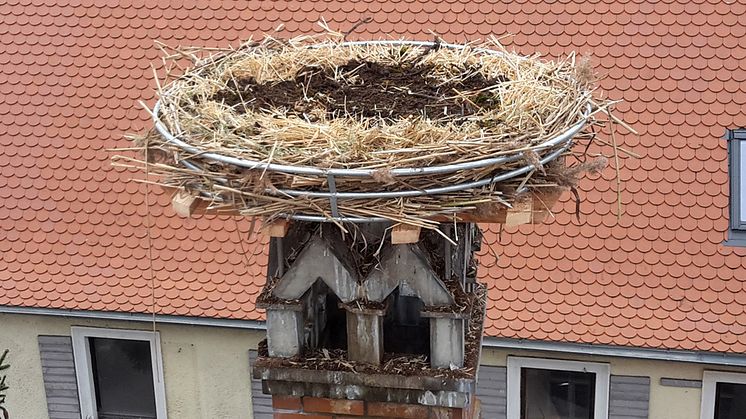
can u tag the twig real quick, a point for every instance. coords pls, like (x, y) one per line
(528, 101)
(354, 27)
(622, 149)
(616, 168)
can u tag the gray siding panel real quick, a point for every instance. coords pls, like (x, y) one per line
(678, 382)
(492, 391)
(58, 372)
(262, 402)
(629, 397)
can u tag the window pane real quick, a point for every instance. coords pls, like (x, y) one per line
(742, 192)
(550, 394)
(730, 401)
(123, 378)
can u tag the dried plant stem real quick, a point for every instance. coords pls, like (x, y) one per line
(616, 168)
(278, 101)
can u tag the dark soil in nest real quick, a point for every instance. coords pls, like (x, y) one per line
(475, 326)
(266, 299)
(336, 360)
(366, 305)
(462, 300)
(377, 91)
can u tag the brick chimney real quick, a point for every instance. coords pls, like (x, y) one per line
(362, 326)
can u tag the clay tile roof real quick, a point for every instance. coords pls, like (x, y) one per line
(73, 230)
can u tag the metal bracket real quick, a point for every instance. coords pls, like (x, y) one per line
(332, 194)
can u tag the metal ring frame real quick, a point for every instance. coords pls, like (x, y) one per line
(564, 140)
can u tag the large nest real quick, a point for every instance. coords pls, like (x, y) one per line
(376, 107)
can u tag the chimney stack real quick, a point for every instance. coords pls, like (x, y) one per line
(362, 326)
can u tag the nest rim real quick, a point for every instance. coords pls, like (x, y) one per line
(564, 138)
(555, 147)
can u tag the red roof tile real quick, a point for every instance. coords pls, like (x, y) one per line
(73, 230)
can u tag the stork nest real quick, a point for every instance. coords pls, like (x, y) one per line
(326, 104)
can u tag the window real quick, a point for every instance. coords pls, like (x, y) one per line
(544, 388)
(723, 395)
(737, 171)
(119, 373)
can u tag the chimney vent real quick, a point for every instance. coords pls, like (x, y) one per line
(360, 326)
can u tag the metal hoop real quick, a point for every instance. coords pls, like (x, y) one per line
(564, 140)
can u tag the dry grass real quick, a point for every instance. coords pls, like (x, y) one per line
(526, 102)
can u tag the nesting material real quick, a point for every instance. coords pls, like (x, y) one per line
(326, 104)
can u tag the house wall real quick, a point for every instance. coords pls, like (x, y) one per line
(665, 402)
(206, 369)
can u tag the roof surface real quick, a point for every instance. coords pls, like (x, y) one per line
(73, 230)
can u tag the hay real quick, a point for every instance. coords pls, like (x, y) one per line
(325, 104)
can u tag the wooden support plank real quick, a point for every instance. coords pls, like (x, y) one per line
(184, 203)
(519, 214)
(277, 228)
(543, 204)
(491, 215)
(404, 233)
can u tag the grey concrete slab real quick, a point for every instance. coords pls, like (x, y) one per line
(284, 333)
(446, 342)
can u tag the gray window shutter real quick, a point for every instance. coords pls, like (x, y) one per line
(262, 402)
(492, 391)
(629, 397)
(58, 372)
(737, 231)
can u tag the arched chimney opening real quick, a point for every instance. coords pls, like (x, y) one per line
(324, 319)
(405, 330)
(334, 334)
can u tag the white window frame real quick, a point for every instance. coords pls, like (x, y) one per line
(710, 379)
(515, 364)
(84, 370)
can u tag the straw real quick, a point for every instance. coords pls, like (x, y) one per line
(267, 101)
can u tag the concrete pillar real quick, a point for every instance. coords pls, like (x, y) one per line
(284, 332)
(365, 335)
(447, 342)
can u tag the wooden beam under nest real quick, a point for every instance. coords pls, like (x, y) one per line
(533, 210)
(184, 203)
